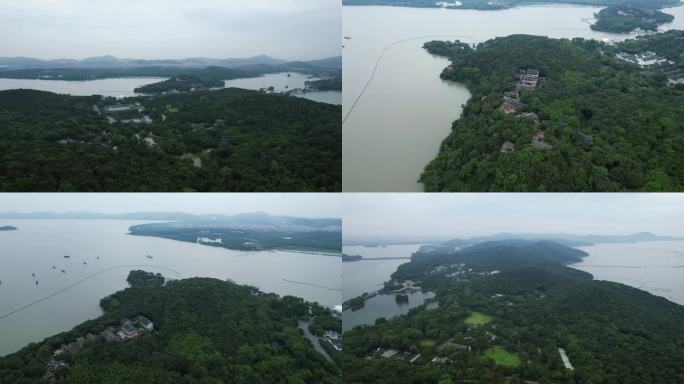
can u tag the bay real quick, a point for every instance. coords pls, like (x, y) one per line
(39, 245)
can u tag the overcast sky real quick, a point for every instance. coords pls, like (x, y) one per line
(155, 29)
(465, 215)
(291, 204)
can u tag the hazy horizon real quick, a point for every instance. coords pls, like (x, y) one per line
(172, 29)
(465, 215)
(305, 205)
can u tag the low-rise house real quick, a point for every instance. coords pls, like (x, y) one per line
(539, 141)
(530, 116)
(129, 329)
(507, 147)
(52, 367)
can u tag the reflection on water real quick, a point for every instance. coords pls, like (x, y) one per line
(368, 276)
(382, 306)
(39, 246)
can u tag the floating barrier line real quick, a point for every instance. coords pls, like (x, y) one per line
(313, 285)
(382, 54)
(82, 281)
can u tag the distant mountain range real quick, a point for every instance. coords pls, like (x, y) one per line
(560, 238)
(252, 218)
(11, 63)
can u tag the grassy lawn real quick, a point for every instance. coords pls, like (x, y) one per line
(503, 357)
(427, 343)
(477, 318)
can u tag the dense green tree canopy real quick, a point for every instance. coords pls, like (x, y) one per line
(508, 326)
(225, 140)
(613, 125)
(206, 331)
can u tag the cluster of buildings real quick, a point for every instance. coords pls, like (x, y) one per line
(125, 107)
(645, 59)
(651, 59)
(526, 81)
(382, 353)
(129, 329)
(55, 364)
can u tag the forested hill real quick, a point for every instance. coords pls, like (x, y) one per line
(228, 140)
(505, 309)
(296, 234)
(502, 4)
(593, 123)
(205, 331)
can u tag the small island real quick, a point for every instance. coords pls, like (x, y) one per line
(625, 19)
(333, 83)
(181, 83)
(349, 258)
(8, 228)
(140, 278)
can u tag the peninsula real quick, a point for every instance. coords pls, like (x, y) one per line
(197, 328)
(536, 123)
(512, 311)
(253, 232)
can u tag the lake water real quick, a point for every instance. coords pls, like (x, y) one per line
(40, 244)
(404, 110)
(281, 82)
(382, 306)
(655, 267)
(368, 276)
(122, 87)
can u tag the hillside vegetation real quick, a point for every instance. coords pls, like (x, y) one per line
(533, 305)
(205, 331)
(605, 124)
(228, 140)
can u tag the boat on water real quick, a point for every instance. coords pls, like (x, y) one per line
(98, 257)
(36, 282)
(149, 257)
(53, 267)
(33, 274)
(347, 37)
(84, 263)
(67, 256)
(63, 271)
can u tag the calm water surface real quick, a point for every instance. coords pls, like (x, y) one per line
(655, 267)
(122, 87)
(40, 244)
(368, 276)
(382, 306)
(406, 110)
(281, 82)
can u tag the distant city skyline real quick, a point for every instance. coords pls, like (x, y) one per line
(463, 215)
(170, 29)
(309, 205)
